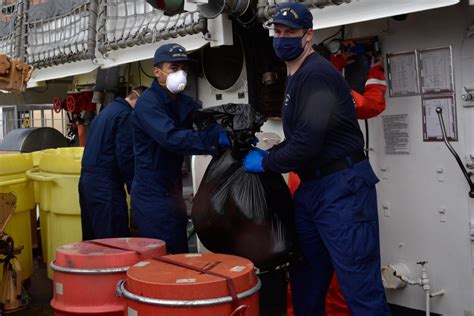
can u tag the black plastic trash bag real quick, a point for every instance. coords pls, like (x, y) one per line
(235, 116)
(240, 120)
(248, 215)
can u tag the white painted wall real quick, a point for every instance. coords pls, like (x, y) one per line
(413, 231)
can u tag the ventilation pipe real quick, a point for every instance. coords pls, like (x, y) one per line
(214, 8)
(106, 85)
(169, 7)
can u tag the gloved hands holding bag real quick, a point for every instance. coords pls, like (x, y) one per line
(254, 159)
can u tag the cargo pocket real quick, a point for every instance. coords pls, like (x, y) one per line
(365, 241)
(361, 216)
(357, 178)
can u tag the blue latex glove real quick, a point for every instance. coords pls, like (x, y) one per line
(253, 162)
(224, 139)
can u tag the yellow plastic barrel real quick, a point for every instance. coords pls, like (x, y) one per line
(13, 179)
(42, 191)
(60, 213)
(35, 155)
(34, 213)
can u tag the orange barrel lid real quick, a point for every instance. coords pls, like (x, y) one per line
(155, 279)
(88, 255)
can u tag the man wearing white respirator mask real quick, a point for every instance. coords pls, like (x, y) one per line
(162, 136)
(174, 77)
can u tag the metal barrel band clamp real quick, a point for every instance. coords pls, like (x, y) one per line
(122, 291)
(57, 268)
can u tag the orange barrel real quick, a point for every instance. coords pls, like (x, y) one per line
(155, 288)
(85, 274)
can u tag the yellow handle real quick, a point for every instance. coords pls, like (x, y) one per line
(12, 182)
(34, 174)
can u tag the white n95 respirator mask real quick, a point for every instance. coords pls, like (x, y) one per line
(176, 81)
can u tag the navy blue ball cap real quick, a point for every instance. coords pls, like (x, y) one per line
(170, 52)
(294, 15)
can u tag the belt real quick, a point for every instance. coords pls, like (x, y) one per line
(332, 167)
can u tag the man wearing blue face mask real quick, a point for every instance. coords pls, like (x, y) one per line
(162, 136)
(335, 204)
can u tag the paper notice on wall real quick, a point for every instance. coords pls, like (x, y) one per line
(436, 70)
(403, 74)
(431, 122)
(396, 135)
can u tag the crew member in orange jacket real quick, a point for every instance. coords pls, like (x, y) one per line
(372, 102)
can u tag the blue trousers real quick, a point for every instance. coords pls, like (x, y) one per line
(160, 215)
(337, 226)
(104, 209)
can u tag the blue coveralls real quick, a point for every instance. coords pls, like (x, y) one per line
(107, 165)
(162, 136)
(335, 214)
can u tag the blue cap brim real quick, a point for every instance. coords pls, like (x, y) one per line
(183, 59)
(170, 60)
(288, 23)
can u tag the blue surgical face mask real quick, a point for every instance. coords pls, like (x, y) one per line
(288, 48)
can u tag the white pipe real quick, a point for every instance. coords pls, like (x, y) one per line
(427, 301)
(438, 293)
(407, 280)
(424, 282)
